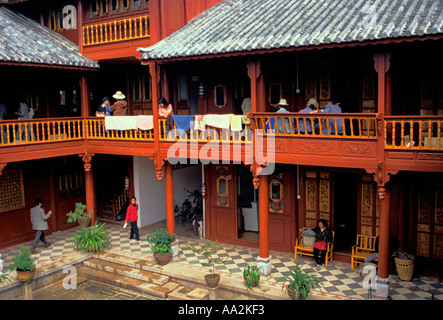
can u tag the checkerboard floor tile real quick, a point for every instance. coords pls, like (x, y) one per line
(337, 277)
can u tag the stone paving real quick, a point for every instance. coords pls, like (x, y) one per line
(339, 281)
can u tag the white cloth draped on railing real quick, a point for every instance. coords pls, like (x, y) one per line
(222, 121)
(129, 123)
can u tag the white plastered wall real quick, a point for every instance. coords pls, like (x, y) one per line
(150, 192)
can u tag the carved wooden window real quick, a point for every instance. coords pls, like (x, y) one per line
(223, 186)
(95, 8)
(115, 6)
(71, 184)
(276, 193)
(274, 94)
(370, 207)
(11, 193)
(182, 88)
(104, 7)
(318, 81)
(141, 85)
(220, 96)
(318, 197)
(430, 222)
(124, 5)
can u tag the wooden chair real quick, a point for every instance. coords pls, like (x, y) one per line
(306, 251)
(364, 246)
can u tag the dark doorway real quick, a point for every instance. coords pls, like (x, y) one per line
(345, 211)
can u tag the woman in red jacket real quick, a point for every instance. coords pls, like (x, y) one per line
(132, 217)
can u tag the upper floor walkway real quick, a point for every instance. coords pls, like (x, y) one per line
(346, 140)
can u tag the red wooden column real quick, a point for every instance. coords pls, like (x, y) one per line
(89, 185)
(169, 190)
(383, 252)
(264, 260)
(263, 216)
(382, 65)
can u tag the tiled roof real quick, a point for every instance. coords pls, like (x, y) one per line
(23, 40)
(248, 25)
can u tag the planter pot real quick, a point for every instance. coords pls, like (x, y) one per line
(253, 282)
(162, 258)
(291, 294)
(84, 222)
(212, 280)
(25, 276)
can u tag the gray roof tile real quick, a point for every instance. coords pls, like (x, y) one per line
(247, 25)
(23, 40)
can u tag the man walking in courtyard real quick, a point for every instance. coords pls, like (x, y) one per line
(39, 224)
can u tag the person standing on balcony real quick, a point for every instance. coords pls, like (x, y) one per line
(332, 107)
(120, 107)
(282, 104)
(132, 217)
(311, 107)
(23, 114)
(166, 111)
(105, 108)
(39, 224)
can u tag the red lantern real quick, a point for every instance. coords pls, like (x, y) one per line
(127, 183)
(204, 190)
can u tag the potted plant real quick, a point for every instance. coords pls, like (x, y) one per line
(299, 282)
(24, 265)
(251, 276)
(81, 214)
(161, 245)
(209, 250)
(92, 239)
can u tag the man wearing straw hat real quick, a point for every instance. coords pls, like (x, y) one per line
(120, 106)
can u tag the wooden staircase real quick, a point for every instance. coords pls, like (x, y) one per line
(114, 206)
(137, 274)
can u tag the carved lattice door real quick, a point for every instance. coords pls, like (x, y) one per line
(430, 222)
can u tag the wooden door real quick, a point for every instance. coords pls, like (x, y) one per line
(318, 203)
(222, 202)
(430, 221)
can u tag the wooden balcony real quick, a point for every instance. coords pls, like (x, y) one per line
(41, 138)
(118, 38)
(411, 143)
(414, 143)
(340, 140)
(123, 142)
(117, 30)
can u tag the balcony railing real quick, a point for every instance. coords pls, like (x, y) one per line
(414, 132)
(207, 135)
(343, 125)
(95, 129)
(117, 30)
(18, 132)
(401, 132)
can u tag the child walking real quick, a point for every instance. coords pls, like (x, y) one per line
(132, 217)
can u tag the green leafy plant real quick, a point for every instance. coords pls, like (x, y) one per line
(92, 239)
(80, 212)
(208, 251)
(161, 241)
(251, 275)
(300, 281)
(22, 260)
(4, 277)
